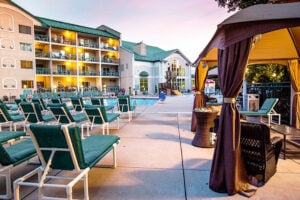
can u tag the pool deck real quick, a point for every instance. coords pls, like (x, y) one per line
(156, 161)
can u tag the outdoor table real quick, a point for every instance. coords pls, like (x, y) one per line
(287, 131)
(205, 122)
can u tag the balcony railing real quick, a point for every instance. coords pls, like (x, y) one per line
(107, 47)
(63, 41)
(89, 73)
(92, 59)
(57, 55)
(110, 73)
(64, 72)
(40, 37)
(109, 60)
(41, 70)
(89, 45)
(42, 54)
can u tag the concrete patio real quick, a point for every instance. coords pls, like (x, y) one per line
(157, 161)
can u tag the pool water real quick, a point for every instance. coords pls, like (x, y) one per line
(138, 101)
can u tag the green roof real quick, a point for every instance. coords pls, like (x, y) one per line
(73, 27)
(153, 53)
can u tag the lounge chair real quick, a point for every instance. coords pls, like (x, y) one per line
(41, 103)
(267, 110)
(33, 113)
(64, 116)
(77, 103)
(126, 106)
(98, 116)
(13, 154)
(99, 101)
(60, 147)
(260, 153)
(15, 120)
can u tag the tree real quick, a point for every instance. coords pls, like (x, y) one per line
(232, 5)
(264, 73)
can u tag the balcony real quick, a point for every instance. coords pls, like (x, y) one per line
(39, 37)
(109, 60)
(91, 59)
(110, 74)
(58, 55)
(89, 73)
(64, 72)
(39, 54)
(42, 71)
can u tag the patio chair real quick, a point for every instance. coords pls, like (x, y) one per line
(33, 113)
(41, 102)
(260, 153)
(98, 101)
(266, 110)
(60, 147)
(77, 103)
(64, 116)
(6, 119)
(13, 154)
(126, 106)
(98, 116)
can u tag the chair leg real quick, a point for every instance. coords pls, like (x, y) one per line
(6, 172)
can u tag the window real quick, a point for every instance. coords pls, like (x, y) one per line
(144, 84)
(27, 84)
(25, 64)
(25, 46)
(25, 29)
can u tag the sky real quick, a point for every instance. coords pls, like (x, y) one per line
(187, 25)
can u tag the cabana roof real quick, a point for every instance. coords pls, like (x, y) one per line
(275, 28)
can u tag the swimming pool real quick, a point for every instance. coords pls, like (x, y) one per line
(138, 101)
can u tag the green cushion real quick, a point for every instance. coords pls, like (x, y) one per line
(88, 151)
(8, 135)
(53, 136)
(125, 103)
(57, 109)
(17, 118)
(96, 147)
(265, 109)
(112, 116)
(79, 117)
(17, 153)
(5, 112)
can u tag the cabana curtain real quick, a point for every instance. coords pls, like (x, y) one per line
(199, 100)
(228, 173)
(295, 80)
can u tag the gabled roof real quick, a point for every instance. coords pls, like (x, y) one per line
(153, 54)
(73, 27)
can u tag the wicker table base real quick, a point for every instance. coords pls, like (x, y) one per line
(205, 122)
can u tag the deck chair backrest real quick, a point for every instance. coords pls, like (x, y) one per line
(268, 105)
(41, 103)
(97, 101)
(16, 153)
(4, 115)
(96, 114)
(77, 103)
(61, 112)
(32, 112)
(124, 103)
(63, 140)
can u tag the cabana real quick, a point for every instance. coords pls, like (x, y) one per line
(264, 33)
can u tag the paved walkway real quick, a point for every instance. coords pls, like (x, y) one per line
(157, 161)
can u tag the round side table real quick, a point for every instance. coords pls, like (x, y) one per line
(205, 121)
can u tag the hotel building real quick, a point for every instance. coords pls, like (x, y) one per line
(40, 54)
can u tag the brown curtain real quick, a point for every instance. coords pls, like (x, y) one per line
(228, 173)
(295, 78)
(199, 100)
